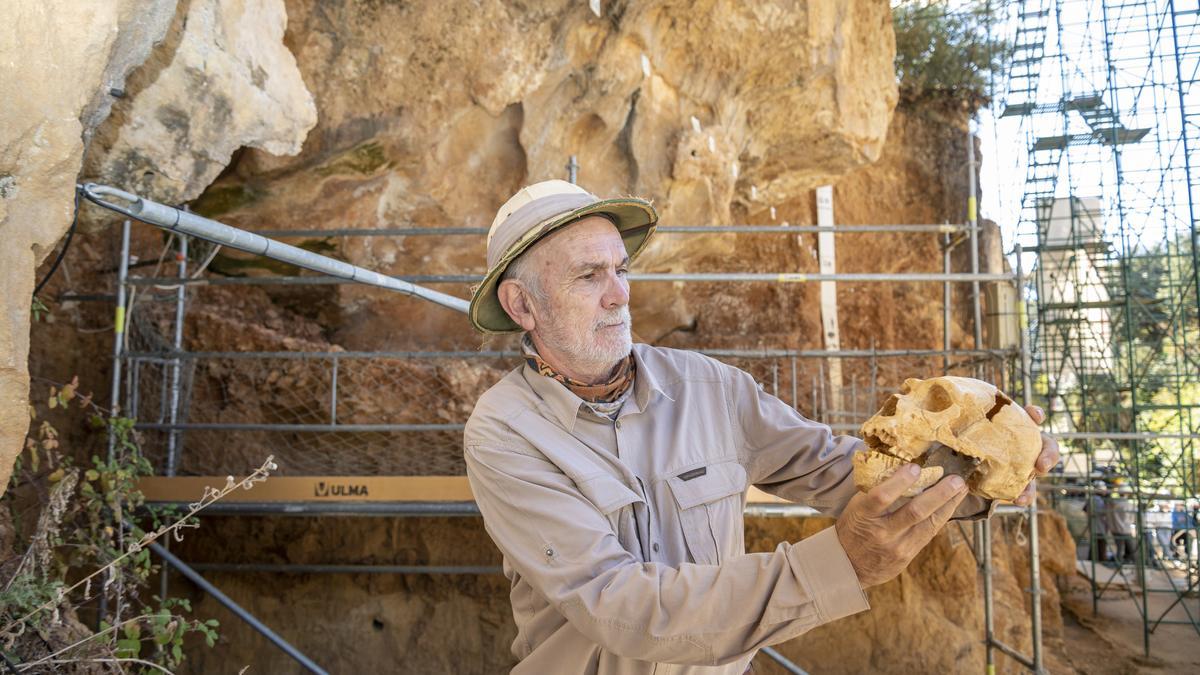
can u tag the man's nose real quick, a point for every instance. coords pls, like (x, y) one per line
(617, 292)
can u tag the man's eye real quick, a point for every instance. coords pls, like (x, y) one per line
(622, 270)
(589, 276)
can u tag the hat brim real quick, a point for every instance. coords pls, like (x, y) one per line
(635, 219)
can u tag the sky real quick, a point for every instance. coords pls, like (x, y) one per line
(1142, 91)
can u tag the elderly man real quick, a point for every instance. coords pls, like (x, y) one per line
(613, 476)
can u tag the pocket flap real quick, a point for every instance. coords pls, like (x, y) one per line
(717, 481)
(608, 493)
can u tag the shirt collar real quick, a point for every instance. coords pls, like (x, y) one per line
(648, 382)
(561, 402)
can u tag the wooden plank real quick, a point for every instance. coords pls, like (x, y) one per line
(337, 489)
(827, 257)
(315, 489)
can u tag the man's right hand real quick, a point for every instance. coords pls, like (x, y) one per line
(881, 540)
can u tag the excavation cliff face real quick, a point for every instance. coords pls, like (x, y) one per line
(428, 114)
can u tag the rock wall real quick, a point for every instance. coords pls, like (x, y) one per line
(430, 114)
(221, 81)
(715, 110)
(59, 62)
(208, 76)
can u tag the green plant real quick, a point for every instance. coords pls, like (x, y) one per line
(38, 308)
(947, 54)
(91, 540)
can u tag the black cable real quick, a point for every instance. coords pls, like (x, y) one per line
(12, 667)
(66, 244)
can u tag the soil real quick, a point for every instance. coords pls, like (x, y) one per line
(1110, 640)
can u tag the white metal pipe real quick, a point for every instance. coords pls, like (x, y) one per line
(180, 221)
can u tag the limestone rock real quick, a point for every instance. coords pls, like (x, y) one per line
(58, 61)
(223, 80)
(226, 80)
(421, 126)
(140, 26)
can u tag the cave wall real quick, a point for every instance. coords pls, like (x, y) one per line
(62, 61)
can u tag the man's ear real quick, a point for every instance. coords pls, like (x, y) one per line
(515, 301)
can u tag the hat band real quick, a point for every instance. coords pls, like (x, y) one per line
(524, 220)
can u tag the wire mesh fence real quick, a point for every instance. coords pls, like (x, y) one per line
(402, 413)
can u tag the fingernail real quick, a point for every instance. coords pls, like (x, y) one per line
(957, 483)
(912, 469)
(1041, 413)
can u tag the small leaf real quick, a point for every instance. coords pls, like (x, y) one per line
(128, 648)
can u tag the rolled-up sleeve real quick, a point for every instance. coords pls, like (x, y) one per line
(561, 544)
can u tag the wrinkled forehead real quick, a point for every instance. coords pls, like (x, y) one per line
(594, 239)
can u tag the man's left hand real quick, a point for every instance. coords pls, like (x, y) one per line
(1045, 461)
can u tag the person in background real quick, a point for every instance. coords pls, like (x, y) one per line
(1182, 525)
(1121, 514)
(1162, 531)
(1098, 520)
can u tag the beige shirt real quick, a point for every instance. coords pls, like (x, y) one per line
(623, 539)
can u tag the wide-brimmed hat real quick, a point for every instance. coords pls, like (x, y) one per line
(534, 212)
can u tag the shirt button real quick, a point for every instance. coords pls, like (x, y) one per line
(655, 547)
(618, 424)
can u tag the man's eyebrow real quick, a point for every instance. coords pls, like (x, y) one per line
(591, 265)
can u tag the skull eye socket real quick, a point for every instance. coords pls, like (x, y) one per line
(937, 400)
(889, 406)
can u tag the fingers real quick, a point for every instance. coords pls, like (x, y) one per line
(1036, 413)
(1047, 459)
(1049, 455)
(938, 519)
(930, 501)
(881, 497)
(1026, 497)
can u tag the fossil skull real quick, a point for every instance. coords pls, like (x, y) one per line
(951, 425)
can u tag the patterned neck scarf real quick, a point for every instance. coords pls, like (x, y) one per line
(617, 385)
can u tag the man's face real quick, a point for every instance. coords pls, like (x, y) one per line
(584, 320)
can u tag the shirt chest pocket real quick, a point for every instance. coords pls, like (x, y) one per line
(611, 496)
(710, 501)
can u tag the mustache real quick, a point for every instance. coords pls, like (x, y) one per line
(619, 315)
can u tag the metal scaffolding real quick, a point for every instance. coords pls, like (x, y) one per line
(321, 414)
(1105, 95)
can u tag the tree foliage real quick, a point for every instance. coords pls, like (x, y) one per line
(947, 54)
